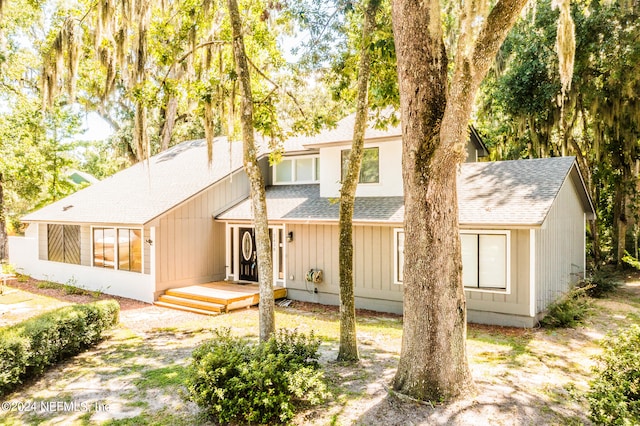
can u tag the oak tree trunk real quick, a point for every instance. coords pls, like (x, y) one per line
(435, 115)
(348, 342)
(256, 181)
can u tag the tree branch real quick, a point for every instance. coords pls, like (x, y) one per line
(288, 93)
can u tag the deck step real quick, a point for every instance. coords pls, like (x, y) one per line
(177, 292)
(184, 308)
(213, 298)
(192, 303)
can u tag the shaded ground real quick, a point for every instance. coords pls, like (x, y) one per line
(135, 376)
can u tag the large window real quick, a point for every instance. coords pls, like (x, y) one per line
(297, 170)
(370, 168)
(485, 259)
(123, 244)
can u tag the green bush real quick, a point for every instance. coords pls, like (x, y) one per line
(28, 348)
(599, 285)
(568, 311)
(614, 397)
(234, 380)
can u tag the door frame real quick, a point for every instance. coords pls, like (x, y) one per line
(278, 251)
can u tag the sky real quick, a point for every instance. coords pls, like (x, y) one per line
(97, 128)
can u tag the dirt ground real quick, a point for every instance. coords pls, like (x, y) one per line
(521, 377)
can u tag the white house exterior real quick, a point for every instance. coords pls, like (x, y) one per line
(179, 222)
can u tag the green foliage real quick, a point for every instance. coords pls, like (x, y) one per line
(631, 261)
(234, 380)
(599, 285)
(28, 348)
(569, 310)
(614, 397)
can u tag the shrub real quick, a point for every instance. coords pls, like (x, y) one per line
(234, 380)
(599, 285)
(614, 397)
(28, 348)
(568, 311)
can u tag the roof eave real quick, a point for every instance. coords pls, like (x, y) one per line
(349, 141)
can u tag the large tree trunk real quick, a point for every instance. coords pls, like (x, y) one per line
(348, 342)
(256, 181)
(433, 363)
(4, 240)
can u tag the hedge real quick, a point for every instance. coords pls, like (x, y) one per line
(28, 348)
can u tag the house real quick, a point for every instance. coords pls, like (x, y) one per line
(175, 221)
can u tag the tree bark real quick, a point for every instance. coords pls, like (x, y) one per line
(256, 181)
(433, 362)
(4, 240)
(170, 114)
(348, 340)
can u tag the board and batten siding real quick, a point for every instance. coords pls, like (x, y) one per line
(560, 247)
(316, 247)
(504, 308)
(190, 245)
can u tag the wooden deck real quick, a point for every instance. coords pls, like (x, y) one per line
(215, 297)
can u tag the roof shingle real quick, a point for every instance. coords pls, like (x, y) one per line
(505, 193)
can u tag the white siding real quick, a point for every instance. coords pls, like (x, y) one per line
(560, 248)
(22, 254)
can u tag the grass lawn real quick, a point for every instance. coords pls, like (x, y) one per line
(135, 377)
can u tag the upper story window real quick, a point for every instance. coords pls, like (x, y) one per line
(370, 169)
(297, 170)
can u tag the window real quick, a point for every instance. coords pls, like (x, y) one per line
(63, 243)
(127, 251)
(485, 259)
(370, 169)
(130, 250)
(297, 170)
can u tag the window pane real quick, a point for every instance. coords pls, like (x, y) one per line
(370, 171)
(98, 247)
(283, 171)
(317, 176)
(469, 244)
(109, 247)
(493, 261)
(370, 168)
(400, 265)
(123, 249)
(135, 250)
(304, 170)
(103, 247)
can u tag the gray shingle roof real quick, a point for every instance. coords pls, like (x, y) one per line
(511, 192)
(142, 192)
(505, 193)
(303, 202)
